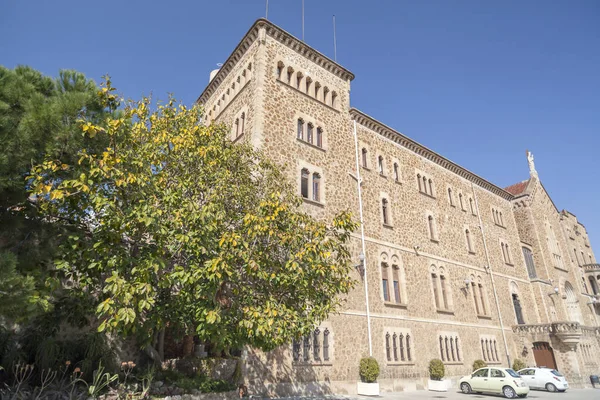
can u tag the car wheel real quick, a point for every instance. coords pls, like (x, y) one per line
(509, 392)
(550, 387)
(465, 388)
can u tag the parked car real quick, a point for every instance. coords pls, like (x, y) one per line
(494, 380)
(544, 378)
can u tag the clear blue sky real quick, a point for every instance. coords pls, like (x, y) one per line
(477, 81)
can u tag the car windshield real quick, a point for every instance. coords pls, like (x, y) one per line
(512, 373)
(555, 372)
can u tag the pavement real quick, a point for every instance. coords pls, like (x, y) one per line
(571, 394)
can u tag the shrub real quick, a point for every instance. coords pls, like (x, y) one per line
(436, 369)
(518, 365)
(479, 364)
(369, 369)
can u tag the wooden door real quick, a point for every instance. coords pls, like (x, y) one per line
(544, 355)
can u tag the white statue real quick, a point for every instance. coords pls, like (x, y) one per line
(530, 162)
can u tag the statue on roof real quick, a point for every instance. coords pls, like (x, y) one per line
(532, 170)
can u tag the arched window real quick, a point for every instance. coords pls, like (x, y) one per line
(503, 251)
(304, 183)
(385, 281)
(471, 205)
(431, 227)
(309, 133)
(419, 182)
(243, 120)
(384, 210)
(316, 187)
(460, 200)
(425, 185)
(528, 255)
(237, 127)
(397, 175)
(508, 258)
(326, 96)
(496, 351)
(430, 187)
(445, 293)
(316, 345)
(452, 349)
(299, 81)
(394, 342)
(326, 344)
(450, 197)
(475, 297)
(309, 88)
(483, 350)
(482, 299)
(364, 158)
(408, 349)
(396, 283)
(447, 348)
(388, 348)
(494, 216)
(401, 337)
(469, 242)
(290, 73)
(442, 348)
(380, 164)
(300, 129)
(457, 348)
(319, 137)
(501, 220)
(434, 283)
(317, 91)
(334, 99)
(280, 68)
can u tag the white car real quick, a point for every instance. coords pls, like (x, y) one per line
(544, 378)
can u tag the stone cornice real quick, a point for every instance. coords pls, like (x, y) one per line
(417, 148)
(283, 37)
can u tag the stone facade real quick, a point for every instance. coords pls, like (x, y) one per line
(446, 270)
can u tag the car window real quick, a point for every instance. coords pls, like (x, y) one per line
(496, 373)
(525, 372)
(555, 372)
(481, 373)
(512, 373)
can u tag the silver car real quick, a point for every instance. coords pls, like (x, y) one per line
(544, 378)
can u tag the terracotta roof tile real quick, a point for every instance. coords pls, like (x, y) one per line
(517, 188)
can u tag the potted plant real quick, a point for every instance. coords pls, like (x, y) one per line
(518, 365)
(369, 371)
(479, 364)
(436, 376)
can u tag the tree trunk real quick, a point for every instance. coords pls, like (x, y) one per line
(161, 345)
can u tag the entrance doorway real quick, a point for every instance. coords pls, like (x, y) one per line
(544, 355)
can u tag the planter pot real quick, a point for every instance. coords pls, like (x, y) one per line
(367, 389)
(437, 386)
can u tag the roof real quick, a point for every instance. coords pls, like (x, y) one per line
(282, 36)
(518, 188)
(404, 141)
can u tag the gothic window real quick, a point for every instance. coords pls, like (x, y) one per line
(401, 337)
(442, 348)
(380, 164)
(396, 283)
(450, 197)
(290, 73)
(460, 200)
(425, 185)
(388, 349)
(452, 349)
(280, 67)
(384, 210)
(326, 96)
(444, 287)
(419, 182)
(364, 158)
(482, 299)
(469, 241)
(471, 205)
(508, 257)
(334, 100)
(304, 183)
(299, 81)
(496, 351)
(237, 127)
(501, 219)
(308, 85)
(385, 281)
(306, 346)
(313, 347)
(394, 338)
(528, 255)
(447, 348)
(408, 348)
(430, 187)
(243, 121)
(494, 216)
(441, 291)
(397, 174)
(316, 187)
(326, 345)
(457, 348)
(296, 346)
(434, 282)
(319, 137)
(309, 133)
(300, 129)
(432, 228)
(316, 345)
(483, 350)
(317, 91)
(476, 297)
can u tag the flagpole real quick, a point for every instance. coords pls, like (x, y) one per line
(334, 42)
(303, 20)
(267, 12)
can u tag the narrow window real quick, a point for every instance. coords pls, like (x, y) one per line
(394, 339)
(384, 209)
(501, 219)
(326, 345)
(300, 129)
(317, 91)
(396, 280)
(483, 350)
(309, 133)
(447, 348)
(528, 255)
(304, 183)
(452, 349)
(308, 85)
(444, 291)
(316, 187)
(326, 95)
(237, 127)
(419, 182)
(319, 137)
(296, 349)
(408, 355)
(469, 244)
(430, 187)
(280, 67)
(402, 347)
(243, 118)
(380, 164)
(334, 98)
(431, 226)
(442, 348)
(503, 252)
(496, 351)
(494, 216)
(450, 197)
(396, 174)
(475, 297)
(364, 158)
(487, 349)
(388, 349)
(316, 345)
(299, 81)
(435, 290)
(457, 348)
(385, 282)
(508, 259)
(471, 205)
(482, 300)
(462, 207)
(306, 348)
(290, 72)
(424, 185)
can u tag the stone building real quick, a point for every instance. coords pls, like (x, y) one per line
(457, 268)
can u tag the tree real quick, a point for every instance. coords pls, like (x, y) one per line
(38, 118)
(177, 225)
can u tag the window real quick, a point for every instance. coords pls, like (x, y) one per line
(316, 187)
(450, 197)
(243, 120)
(334, 98)
(505, 253)
(398, 347)
(396, 283)
(449, 348)
(471, 206)
(237, 127)
(280, 67)
(528, 255)
(384, 210)
(380, 165)
(385, 281)
(460, 200)
(478, 293)
(397, 175)
(432, 228)
(312, 348)
(304, 183)
(364, 158)
(469, 241)
(309, 133)
(308, 85)
(300, 129)
(481, 373)
(299, 80)
(430, 188)
(290, 72)
(441, 290)
(425, 185)
(496, 373)
(319, 137)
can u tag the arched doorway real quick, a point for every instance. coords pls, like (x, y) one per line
(544, 355)
(573, 311)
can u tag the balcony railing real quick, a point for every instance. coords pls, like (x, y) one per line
(591, 268)
(569, 332)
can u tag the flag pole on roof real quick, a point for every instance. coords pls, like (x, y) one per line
(334, 41)
(267, 12)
